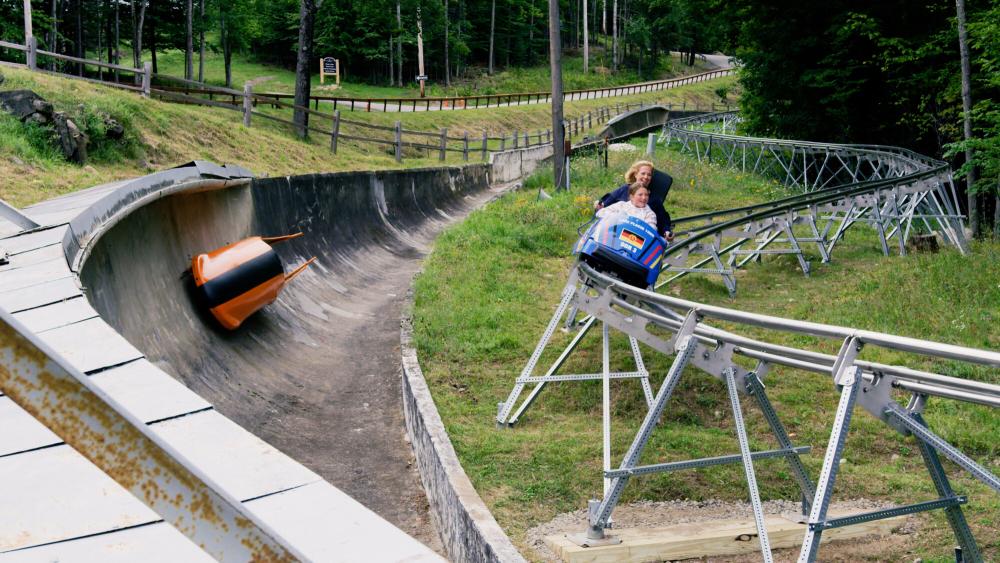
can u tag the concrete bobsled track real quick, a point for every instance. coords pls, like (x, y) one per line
(315, 377)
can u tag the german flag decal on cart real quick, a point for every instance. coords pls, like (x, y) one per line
(237, 280)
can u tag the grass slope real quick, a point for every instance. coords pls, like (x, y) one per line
(492, 283)
(160, 135)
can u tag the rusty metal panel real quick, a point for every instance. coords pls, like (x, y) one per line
(57, 314)
(328, 525)
(42, 294)
(46, 385)
(34, 240)
(91, 345)
(148, 392)
(140, 387)
(19, 431)
(154, 543)
(249, 468)
(55, 494)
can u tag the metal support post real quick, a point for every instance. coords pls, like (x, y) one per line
(803, 263)
(831, 462)
(755, 388)
(685, 348)
(555, 367)
(741, 435)
(970, 550)
(606, 402)
(567, 296)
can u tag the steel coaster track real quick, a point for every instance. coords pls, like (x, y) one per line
(889, 189)
(894, 190)
(679, 328)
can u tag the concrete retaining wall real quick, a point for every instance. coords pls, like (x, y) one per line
(515, 164)
(465, 524)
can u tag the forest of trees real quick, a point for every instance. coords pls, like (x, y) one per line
(885, 72)
(376, 39)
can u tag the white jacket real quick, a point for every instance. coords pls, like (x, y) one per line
(625, 208)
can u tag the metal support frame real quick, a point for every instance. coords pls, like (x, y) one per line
(634, 312)
(504, 415)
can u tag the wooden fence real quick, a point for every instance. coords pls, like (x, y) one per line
(394, 139)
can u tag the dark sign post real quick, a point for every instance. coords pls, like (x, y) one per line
(329, 66)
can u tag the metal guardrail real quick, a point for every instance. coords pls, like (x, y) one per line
(61, 397)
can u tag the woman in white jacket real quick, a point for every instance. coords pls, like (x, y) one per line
(636, 206)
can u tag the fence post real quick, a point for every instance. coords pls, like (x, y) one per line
(485, 156)
(465, 147)
(399, 142)
(336, 131)
(650, 143)
(147, 78)
(515, 138)
(590, 120)
(444, 144)
(503, 142)
(527, 139)
(247, 103)
(32, 54)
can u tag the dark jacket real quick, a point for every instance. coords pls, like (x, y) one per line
(659, 187)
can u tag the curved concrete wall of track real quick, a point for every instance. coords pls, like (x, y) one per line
(356, 223)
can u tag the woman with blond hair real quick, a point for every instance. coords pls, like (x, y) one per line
(644, 174)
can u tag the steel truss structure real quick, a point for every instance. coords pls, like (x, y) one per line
(679, 328)
(895, 191)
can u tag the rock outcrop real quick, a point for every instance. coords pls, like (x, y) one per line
(29, 107)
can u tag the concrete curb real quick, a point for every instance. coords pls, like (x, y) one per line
(467, 528)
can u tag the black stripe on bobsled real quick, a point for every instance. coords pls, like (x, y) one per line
(242, 278)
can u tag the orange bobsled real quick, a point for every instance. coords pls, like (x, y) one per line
(237, 280)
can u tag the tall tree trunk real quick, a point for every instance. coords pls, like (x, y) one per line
(458, 34)
(399, 45)
(493, 19)
(447, 64)
(109, 31)
(227, 51)
(507, 34)
(137, 22)
(54, 34)
(555, 66)
(201, 44)
(118, 43)
(303, 76)
(100, 46)
(189, 47)
(392, 67)
(152, 46)
(970, 179)
(531, 32)
(604, 17)
(586, 41)
(614, 36)
(80, 52)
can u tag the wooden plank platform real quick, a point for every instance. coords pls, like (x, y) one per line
(706, 538)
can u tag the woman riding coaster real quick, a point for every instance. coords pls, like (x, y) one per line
(657, 182)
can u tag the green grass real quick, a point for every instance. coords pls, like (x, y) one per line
(160, 135)
(492, 283)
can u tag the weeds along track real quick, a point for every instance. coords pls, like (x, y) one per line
(897, 192)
